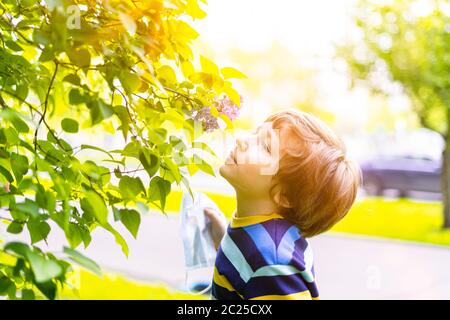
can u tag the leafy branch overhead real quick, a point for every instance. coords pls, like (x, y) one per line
(122, 67)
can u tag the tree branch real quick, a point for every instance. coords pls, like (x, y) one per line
(45, 105)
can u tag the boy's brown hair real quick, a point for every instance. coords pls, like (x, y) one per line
(315, 177)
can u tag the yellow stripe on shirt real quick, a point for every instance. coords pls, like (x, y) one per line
(304, 295)
(238, 222)
(222, 281)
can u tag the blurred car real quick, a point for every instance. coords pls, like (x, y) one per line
(403, 173)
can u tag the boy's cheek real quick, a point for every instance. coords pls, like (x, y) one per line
(250, 172)
(253, 157)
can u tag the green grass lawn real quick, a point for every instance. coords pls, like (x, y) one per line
(117, 287)
(400, 219)
(390, 218)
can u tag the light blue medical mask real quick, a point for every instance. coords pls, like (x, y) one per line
(199, 249)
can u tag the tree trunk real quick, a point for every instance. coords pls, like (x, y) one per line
(445, 181)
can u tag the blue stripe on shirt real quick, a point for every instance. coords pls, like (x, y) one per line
(263, 241)
(286, 247)
(237, 259)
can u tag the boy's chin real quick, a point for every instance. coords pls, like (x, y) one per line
(225, 172)
(222, 170)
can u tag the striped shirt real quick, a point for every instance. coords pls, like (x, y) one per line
(263, 257)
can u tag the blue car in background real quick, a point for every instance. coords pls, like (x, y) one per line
(403, 173)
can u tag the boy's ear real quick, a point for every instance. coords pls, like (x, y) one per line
(281, 200)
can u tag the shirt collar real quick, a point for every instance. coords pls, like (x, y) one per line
(237, 222)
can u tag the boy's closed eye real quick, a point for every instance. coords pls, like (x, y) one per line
(264, 138)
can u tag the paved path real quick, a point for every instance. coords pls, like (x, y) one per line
(347, 267)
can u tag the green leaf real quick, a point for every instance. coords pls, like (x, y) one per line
(149, 161)
(75, 97)
(28, 294)
(13, 45)
(76, 234)
(130, 81)
(130, 187)
(18, 248)
(116, 214)
(157, 135)
(12, 137)
(119, 239)
(83, 261)
(73, 235)
(48, 289)
(203, 146)
(86, 236)
(187, 68)
(234, 96)
(131, 219)
(99, 111)
(5, 284)
(87, 146)
(97, 207)
(69, 125)
(15, 227)
(158, 190)
(2, 141)
(17, 214)
(194, 10)
(46, 200)
(29, 207)
(20, 125)
(44, 269)
(203, 165)
(173, 168)
(22, 91)
(184, 30)
(73, 79)
(6, 174)
(19, 165)
(122, 114)
(132, 149)
(47, 54)
(229, 73)
(208, 66)
(167, 74)
(38, 230)
(27, 3)
(80, 57)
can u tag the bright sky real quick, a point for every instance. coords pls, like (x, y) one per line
(304, 26)
(308, 29)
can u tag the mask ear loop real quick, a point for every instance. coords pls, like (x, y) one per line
(197, 293)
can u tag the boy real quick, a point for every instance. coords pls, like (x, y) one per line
(292, 181)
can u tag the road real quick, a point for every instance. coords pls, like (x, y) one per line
(347, 267)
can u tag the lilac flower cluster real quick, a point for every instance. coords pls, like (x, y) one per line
(209, 121)
(224, 106)
(227, 107)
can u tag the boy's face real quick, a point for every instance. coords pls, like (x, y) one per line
(254, 161)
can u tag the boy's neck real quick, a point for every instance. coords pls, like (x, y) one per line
(254, 206)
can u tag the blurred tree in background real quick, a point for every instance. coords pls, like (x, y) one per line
(122, 66)
(274, 84)
(409, 40)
